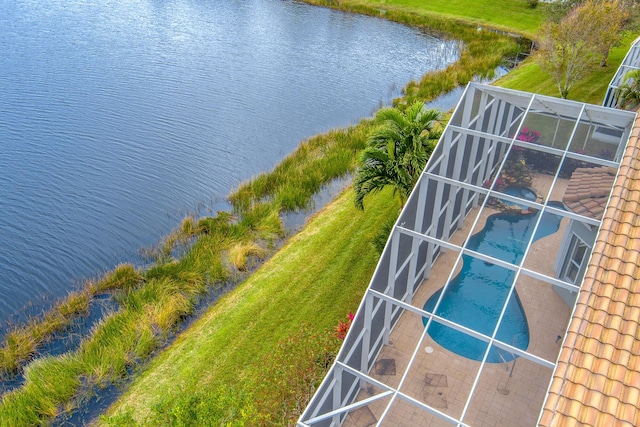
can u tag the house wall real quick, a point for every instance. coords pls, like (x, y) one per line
(587, 235)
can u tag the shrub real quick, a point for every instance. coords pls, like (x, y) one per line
(343, 327)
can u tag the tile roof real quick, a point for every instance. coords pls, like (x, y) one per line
(597, 378)
(588, 190)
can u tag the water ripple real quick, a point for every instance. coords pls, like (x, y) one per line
(116, 118)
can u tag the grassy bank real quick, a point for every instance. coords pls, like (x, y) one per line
(515, 16)
(154, 302)
(223, 246)
(316, 278)
(529, 77)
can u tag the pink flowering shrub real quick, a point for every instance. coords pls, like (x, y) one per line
(528, 135)
(343, 327)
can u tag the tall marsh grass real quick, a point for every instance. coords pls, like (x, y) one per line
(152, 303)
(22, 342)
(294, 181)
(242, 252)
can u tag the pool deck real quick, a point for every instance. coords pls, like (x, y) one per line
(443, 379)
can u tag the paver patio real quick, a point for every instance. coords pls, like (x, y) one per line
(506, 395)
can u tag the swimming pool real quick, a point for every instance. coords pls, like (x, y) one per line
(521, 192)
(475, 297)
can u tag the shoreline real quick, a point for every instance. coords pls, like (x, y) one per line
(132, 283)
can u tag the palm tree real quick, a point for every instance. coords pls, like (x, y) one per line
(397, 151)
(629, 92)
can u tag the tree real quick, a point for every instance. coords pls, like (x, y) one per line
(568, 49)
(629, 93)
(558, 9)
(607, 19)
(397, 151)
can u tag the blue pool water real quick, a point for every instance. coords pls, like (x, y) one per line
(521, 192)
(475, 297)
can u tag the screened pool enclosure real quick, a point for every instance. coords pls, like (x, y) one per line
(464, 316)
(630, 62)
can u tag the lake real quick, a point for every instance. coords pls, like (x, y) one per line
(117, 118)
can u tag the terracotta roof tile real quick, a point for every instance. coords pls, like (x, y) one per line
(610, 403)
(617, 308)
(618, 240)
(588, 190)
(597, 378)
(609, 338)
(579, 393)
(570, 406)
(632, 394)
(623, 294)
(629, 412)
(617, 372)
(590, 417)
(601, 367)
(585, 360)
(630, 217)
(593, 330)
(630, 342)
(597, 382)
(546, 417)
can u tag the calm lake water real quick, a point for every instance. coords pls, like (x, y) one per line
(119, 117)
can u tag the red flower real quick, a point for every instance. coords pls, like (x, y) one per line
(528, 135)
(343, 327)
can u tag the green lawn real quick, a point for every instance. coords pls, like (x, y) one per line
(530, 77)
(318, 277)
(509, 15)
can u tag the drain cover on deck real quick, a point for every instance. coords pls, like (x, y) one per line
(385, 367)
(435, 380)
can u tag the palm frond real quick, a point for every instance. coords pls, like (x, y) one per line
(629, 93)
(397, 151)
